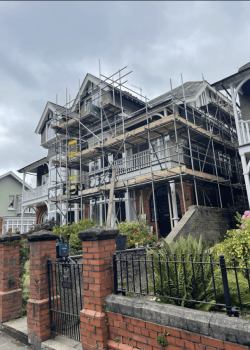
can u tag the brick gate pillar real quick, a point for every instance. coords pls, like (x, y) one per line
(10, 293)
(42, 248)
(98, 246)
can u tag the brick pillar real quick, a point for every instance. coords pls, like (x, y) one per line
(42, 248)
(10, 293)
(98, 246)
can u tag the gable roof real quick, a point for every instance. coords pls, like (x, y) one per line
(233, 79)
(55, 108)
(10, 173)
(88, 77)
(190, 88)
(33, 166)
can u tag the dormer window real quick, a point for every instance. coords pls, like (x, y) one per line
(96, 98)
(50, 133)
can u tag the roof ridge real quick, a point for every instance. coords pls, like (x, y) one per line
(15, 177)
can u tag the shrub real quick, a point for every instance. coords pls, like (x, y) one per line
(24, 257)
(202, 274)
(237, 242)
(137, 232)
(179, 251)
(70, 232)
(234, 298)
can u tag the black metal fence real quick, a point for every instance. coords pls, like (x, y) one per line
(202, 284)
(66, 298)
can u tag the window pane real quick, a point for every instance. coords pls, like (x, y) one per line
(11, 202)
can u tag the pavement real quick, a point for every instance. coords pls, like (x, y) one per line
(16, 333)
(9, 343)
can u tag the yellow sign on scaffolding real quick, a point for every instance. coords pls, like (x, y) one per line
(72, 148)
(72, 184)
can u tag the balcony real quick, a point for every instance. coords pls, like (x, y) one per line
(244, 137)
(142, 160)
(35, 193)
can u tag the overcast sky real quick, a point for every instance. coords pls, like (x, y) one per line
(48, 46)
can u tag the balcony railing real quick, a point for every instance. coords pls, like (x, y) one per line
(35, 193)
(244, 136)
(140, 160)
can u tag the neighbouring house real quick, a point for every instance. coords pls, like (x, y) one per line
(176, 150)
(239, 86)
(11, 188)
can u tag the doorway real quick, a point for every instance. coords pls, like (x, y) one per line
(162, 195)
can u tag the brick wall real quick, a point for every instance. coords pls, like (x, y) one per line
(135, 324)
(10, 293)
(98, 247)
(142, 335)
(42, 248)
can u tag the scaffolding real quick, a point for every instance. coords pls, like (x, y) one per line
(198, 148)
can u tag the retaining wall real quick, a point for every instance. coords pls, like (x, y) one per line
(211, 223)
(136, 323)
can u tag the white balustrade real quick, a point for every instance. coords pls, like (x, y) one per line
(35, 193)
(244, 132)
(140, 160)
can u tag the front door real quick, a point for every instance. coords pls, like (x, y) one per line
(163, 211)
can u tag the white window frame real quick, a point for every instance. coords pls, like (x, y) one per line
(12, 209)
(44, 177)
(19, 204)
(48, 123)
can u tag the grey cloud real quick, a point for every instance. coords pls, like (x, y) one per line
(46, 46)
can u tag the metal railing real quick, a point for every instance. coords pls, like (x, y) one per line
(185, 283)
(35, 193)
(244, 132)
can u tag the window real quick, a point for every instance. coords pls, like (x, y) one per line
(225, 164)
(53, 177)
(96, 98)
(11, 203)
(50, 131)
(93, 144)
(45, 179)
(120, 211)
(95, 212)
(19, 206)
(95, 165)
(87, 104)
(15, 224)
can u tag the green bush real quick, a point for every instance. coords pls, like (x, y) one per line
(70, 232)
(187, 273)
(24, 257)
(137, 232)
(237, 242)
(179, 251)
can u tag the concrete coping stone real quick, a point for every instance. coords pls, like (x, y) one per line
(98, 233)
(9, 237)
(42, 235)
(208, 324)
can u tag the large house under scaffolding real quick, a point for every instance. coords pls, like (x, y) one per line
(169, 153)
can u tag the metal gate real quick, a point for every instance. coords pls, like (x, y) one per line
(65, 298)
